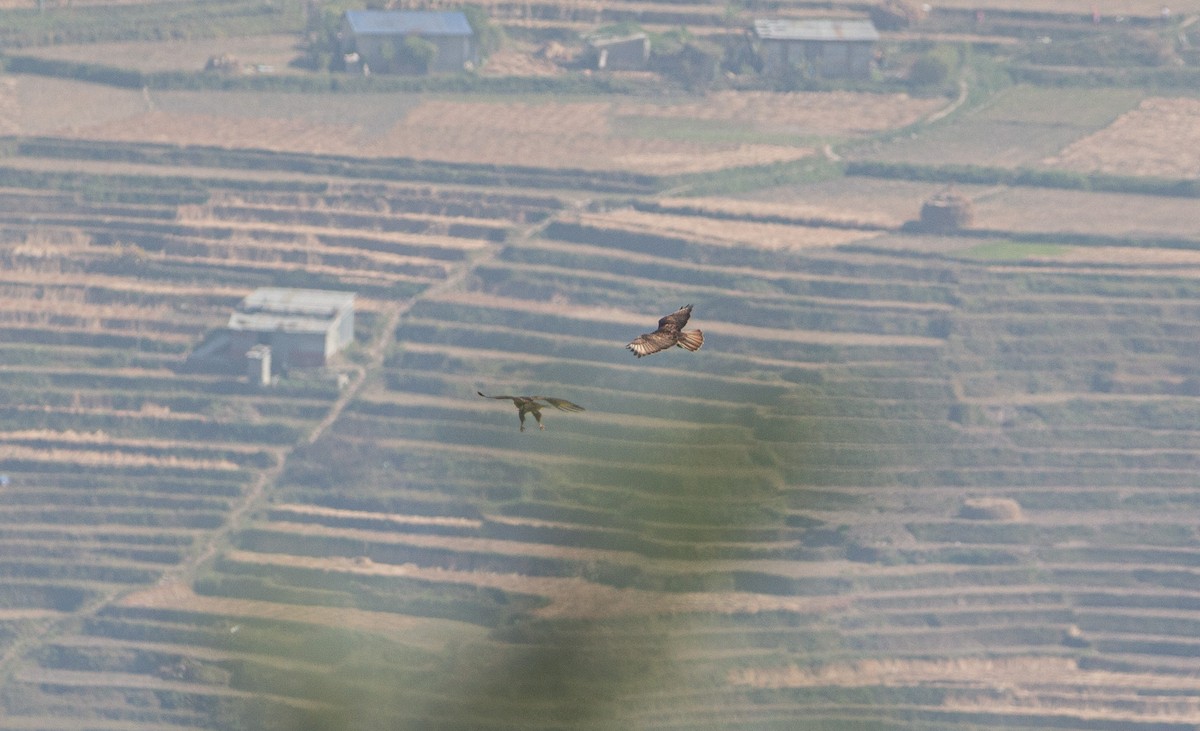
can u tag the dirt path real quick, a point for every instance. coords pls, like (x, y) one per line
(256, 494)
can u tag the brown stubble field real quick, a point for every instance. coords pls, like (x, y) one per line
(534, 131)
(191, 54)
(1160, 138)
(769, 236)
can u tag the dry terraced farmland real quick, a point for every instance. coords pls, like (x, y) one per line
(877, 496)
(1159, 138)
(910, 481)
(618, 133)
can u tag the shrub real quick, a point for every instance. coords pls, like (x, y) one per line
(929, 70)
(488, 35)
(416, 54)
(934, 69)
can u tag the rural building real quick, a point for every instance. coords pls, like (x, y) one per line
(378, 38)
(626, 53)
(300, 327)
(831, 49)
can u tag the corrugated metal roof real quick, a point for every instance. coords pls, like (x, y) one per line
(260, 322)
(408, 22)
(600, 40)
(816, 30)
(290, 310)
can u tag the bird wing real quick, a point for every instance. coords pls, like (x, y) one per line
(560, 403)
(510, 398)
(676, 319)
(653, 342)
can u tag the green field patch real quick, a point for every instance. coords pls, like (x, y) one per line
(1013, 251)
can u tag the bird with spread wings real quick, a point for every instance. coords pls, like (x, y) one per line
(670, 332)
(534, 404)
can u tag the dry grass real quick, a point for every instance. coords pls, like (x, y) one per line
(1027, 671)
(1134, 255)
(569, 597)
(98, 437)
(109, 458)
(1161, 137)
(544, 135)
(769, 236)
(589, 134)
(836, 113)
(318, 510)
(519, 59)
(224, 131)
(38, 105)
(415, 630)
(28, 279)
(796, 210)
(557, 134)
(1106, 214)
(180, 55)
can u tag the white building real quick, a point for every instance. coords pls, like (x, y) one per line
(302, 327)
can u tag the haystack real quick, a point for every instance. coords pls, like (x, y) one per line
(947, 211)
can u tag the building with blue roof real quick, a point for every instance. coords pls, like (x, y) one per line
(378, 38)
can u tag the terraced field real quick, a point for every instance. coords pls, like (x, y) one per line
(911, 482)
(894, 490)
(123, 456)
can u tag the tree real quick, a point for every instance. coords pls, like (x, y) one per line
(488, 36)
(416, 55)
(929, 70)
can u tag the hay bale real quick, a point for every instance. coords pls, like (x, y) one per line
(990, 508)
(946, 212)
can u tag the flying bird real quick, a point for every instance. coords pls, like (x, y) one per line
(534, 404)
(670, 332)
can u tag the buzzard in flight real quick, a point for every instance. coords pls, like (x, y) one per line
(533, 405)
(670, 332)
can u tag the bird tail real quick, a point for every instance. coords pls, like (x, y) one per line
(691, 339)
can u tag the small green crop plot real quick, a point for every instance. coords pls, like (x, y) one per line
(1014, 251)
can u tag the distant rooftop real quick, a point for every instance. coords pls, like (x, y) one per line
(405, 22)
(289, 310)
(816, 30)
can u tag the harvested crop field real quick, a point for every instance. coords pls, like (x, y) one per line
(770, 236)
(727, 129)
(181, 55)
(837, 113)
(884, 201)
(752, 209)
(1160, 138)
(1106, 214)
(176, 596)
